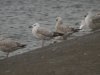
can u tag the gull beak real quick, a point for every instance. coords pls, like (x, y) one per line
(30, 27)
(85, 15)
(56, 19)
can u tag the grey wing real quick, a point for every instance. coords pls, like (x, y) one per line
(44, 31)
(8, 43)
(66, 28)
(96, 19)
(96, 22)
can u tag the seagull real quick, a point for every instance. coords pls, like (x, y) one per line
(63, 28)
(8, 45)
(92, 21)
(43, 33)
(83, 25)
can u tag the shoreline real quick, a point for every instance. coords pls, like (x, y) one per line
(79, 56)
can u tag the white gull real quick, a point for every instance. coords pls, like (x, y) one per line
(91, 21)
(43, 33)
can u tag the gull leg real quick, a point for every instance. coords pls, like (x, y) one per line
(7, 54)
(42, 43)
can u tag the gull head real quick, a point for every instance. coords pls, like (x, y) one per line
(58, 19)
(88, 14)
(93, 13)
(34, 25)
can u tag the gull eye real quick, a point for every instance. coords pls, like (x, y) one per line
(34, 24)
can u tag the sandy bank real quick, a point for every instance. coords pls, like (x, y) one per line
(80, 56)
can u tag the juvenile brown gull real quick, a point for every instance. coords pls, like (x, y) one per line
(8, 45)
(66, 30)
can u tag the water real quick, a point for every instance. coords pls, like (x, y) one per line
(17, 15)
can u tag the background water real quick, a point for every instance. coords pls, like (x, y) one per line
(17, 15)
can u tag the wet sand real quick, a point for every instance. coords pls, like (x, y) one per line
(79, 56)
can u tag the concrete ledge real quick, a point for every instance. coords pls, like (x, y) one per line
(80, 56)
